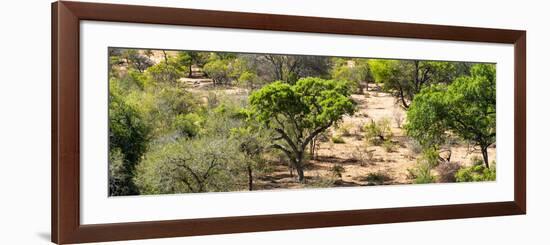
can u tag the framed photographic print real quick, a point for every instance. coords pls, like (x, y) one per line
(176, 122)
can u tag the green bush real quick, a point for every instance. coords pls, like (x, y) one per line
(377, 178)
(165, 72)
(336, 139)
(377, 132)
(422, 172)
(188, 125)
(206, 164)
(128, 130)
(345, 129)
(477, 172)
(388, 146)
(430, 156)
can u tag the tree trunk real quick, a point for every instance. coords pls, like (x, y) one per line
(165, 56)
(402, 96)
(312, 148)
(299, 166)
(485, 155)
(190, 71)
(250, 181)
(300, 171)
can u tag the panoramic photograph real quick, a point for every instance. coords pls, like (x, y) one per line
(206, 121)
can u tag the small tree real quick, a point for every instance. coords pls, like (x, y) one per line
(406, 78)
(251, 143)
(466, 108)
(354, 70)
(297, 113)
(136, 60)
(218, 70)
(188, 166)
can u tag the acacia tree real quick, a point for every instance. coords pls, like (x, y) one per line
(134, 59)
(465, 108)
(251, 143)
(187, 59)
(290, 68)
(406, 78)
(297, 113)
(188, 166)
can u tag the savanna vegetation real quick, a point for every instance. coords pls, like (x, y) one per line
(191, 122)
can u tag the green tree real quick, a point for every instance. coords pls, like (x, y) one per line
(186, 59)
(128, 139)
(136, 59)
(252, 143)
(189, 165)
(249, 79)
(466, 108)
(219, 70)
(168, 71)
(297, 113)
(405, 78)
(290, 68)
(354, 70)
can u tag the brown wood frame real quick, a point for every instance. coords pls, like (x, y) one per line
(66, 227)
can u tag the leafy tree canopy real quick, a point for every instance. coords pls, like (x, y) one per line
(298, 113)
(465, 108)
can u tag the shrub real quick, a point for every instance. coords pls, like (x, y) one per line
(477, 172)
(120, 178)
(430, 156)
(337, 170)
(423, 174)
(378, 132)
(204, 164)
(188, 125)
(345, 129)
(337, 139)
(388, 146)
(165, 72)
(377, 178)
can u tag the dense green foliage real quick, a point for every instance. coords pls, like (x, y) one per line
(201, 165)
(356, 71)
(466, 108)
(476, 172)
(406, 78)
(298, 113)
(128, 138)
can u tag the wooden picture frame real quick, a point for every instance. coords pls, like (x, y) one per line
(65, 174)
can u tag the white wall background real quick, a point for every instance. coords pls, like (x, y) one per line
(25, 121)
